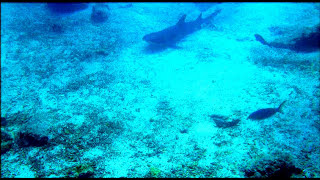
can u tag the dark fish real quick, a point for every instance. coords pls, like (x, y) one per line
(265, 113)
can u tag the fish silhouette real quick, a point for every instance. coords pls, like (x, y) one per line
(265, 113)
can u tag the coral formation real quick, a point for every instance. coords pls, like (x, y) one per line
(6, 141)
(278, 168)
(81, 171)
(26, 139)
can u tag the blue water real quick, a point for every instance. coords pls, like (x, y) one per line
(84, 95)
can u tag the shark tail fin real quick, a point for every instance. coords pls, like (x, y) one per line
(182, 19)
(280, 107)
(215, 13)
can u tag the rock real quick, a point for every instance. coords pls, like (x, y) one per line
(81, 171)
(221, 121)
(3, 121)
(56, 28)
(278, 168)
(30, 139)
(99, 13)
(86, 174)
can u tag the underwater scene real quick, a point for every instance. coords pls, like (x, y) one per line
(160, 90)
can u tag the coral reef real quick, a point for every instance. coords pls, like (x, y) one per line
(278, 168)
(4, 121)
(6, 141)
(81, 171)
(153, 173)
(222, 121)
(27, 139)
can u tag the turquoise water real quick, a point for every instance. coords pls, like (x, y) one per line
(84, 95)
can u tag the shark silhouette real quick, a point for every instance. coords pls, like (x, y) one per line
(173, 34)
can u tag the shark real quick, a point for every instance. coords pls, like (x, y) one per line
(170, 36)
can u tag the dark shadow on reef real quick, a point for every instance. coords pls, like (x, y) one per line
(153, 49)
(278, 168)
(66, 8)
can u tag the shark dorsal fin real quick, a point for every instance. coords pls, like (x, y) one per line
(182, 19)
(199, 17)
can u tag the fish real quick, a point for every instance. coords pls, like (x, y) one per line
(265, 113)
(304, 44)
(168, 37)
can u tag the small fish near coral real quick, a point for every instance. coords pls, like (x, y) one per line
(265, 113)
